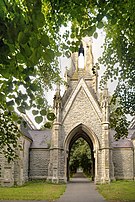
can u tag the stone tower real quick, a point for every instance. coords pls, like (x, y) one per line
(80, 114)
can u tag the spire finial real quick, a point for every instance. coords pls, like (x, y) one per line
(81, 49)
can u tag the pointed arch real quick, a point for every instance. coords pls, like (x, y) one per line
(85, 132)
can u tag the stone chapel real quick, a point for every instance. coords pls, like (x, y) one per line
(80, 112)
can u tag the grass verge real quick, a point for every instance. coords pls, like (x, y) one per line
(123, 191)
(38, 190)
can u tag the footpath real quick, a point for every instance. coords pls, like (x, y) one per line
(80, 189)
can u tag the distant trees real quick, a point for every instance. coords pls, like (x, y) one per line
(80, 156)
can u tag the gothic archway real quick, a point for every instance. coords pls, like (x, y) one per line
(81, 131)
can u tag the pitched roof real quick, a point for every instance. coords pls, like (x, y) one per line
(123, 143)
(133, 136)
(41, 139)
(25, 131)
(132, 123)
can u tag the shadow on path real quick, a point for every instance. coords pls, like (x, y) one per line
(80, 189)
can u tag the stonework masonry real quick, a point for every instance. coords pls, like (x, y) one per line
(39, 161)
(123, 159)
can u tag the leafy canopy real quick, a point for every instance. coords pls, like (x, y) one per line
(28, 55)
(30, 43)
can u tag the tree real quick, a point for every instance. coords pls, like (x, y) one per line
(27, 59)
(118, 119)
(80, 156)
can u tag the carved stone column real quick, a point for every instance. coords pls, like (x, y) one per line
(56, 150)
(105, 147)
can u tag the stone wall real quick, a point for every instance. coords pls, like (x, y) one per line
(25, 158)
(123, 163)
(39, 161)
(6, 172)
(16, 173)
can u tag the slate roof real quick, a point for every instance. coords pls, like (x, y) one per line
(132, 123)
(25, 131)
(133, 136)
(41, 138)
(123, 143)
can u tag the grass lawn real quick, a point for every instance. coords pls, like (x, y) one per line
(123, 191)
(38, 190)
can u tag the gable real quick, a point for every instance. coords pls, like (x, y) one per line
(87, 97)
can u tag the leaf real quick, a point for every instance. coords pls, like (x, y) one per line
(10, 103)
(34, 112)
(38, 19)
(43, 112)
(40, 101)
(34, 42)
(45, 40)
(33, 87)
(51, 116)
(95, 35)
(38, 119)
(92, 30)
(100, 25)
(23, 37)
(18, 100)
(21, 109)
(15, 117)
(49, 55)
(2, 6)
(48, 125)
(99, 17)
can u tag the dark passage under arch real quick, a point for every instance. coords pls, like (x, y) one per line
(77, 135)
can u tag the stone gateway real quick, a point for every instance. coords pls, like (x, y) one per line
(80, 112)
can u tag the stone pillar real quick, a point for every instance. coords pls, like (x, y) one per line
(56, 151)
(105, 146)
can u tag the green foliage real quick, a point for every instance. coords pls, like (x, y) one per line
(80, 156)
(9, 135)
(27, 57)
(48, 125)
(118, 120)
(51, 116)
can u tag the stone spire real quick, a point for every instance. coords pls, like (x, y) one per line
(82, 65)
